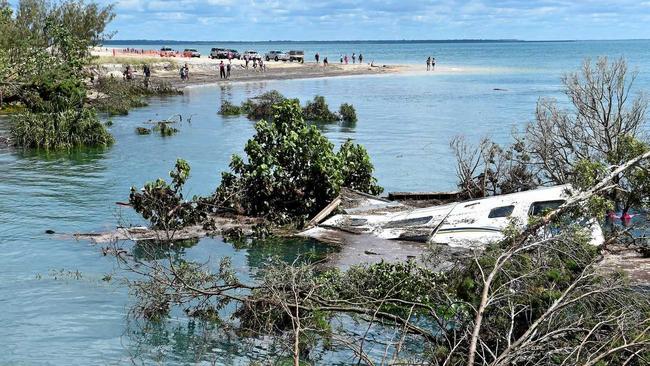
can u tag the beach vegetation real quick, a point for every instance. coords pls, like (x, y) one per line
(117, 96)
(67, 128)
(291, 170)
(261, 107)
(164, 205)
(348, 113)
(44, 47)
(317, 110)
(229, 109)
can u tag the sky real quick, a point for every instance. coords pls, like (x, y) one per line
(263, 20)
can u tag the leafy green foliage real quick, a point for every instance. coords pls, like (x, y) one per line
(163, 204)
(64, 129)
(318, 111)
(357, 169)
(348, 113)
(261, 107)
(229, 109)
(117, 97)
(291, 171)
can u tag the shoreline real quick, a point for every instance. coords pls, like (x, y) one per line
(204, 71)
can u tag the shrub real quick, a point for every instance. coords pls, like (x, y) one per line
(291, 171)
(229, 109)
(347, 113)
(318, 111)
(163, 204)
(142, 131)
(117, 97)
(261, 107)
(357, 169)
(65, 129)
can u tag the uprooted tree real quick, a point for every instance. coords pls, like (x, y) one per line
(536, 297)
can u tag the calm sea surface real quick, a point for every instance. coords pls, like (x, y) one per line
(57, 308)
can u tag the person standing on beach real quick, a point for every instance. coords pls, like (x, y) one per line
(428, 63)
(345, 58)
(325, 62)
(147, 75)
(341, 59)
(433, 64)
(228, 71)
(262, 66)
(354, 58)
(360, 58)
(222, 70)
(317, 57)
(246, 59)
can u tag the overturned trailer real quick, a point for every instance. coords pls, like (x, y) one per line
(465, 224)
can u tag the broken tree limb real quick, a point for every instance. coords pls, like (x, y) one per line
(520, 240)
(324, 212)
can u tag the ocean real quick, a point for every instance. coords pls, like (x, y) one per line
(57, 305)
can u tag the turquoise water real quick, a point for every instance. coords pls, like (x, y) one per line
(55, 307)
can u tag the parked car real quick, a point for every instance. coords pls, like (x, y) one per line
(276, 56)
(191, 52)
(297, 56)
(216, 52)
(167, 52)
(252, 55)
(222, 53)
(234, 54)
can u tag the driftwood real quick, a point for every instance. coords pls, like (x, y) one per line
(221, 225)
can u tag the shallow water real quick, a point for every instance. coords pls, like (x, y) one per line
(55, 307)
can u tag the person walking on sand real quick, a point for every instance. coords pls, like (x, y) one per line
(147, 75)
(325, 62)
(186, 72)
(222, 70)
(317, 57)
(262, 66)
(360, 58)
(354, 58)
(345, 58)
(428, 63)
(246, 59)
(228, 71)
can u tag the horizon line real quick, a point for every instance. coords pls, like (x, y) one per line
(486, 40)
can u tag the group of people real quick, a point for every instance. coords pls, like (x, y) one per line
(343, 60)
(431, 63)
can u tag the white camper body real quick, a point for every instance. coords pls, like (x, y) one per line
(463, 224)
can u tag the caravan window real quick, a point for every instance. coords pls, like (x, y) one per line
(539, 208)
(503, 211)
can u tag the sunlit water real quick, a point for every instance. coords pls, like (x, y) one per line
(57, 308)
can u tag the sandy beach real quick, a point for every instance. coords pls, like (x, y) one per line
(205, 71)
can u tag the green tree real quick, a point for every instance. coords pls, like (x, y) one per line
(291, 171)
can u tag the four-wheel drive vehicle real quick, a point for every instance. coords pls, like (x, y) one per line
(216, 52)
(234, 54)
(167, 52)
(222, 53)
(297, 56)
(252, 55)
(191, 52)
(276, 56)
